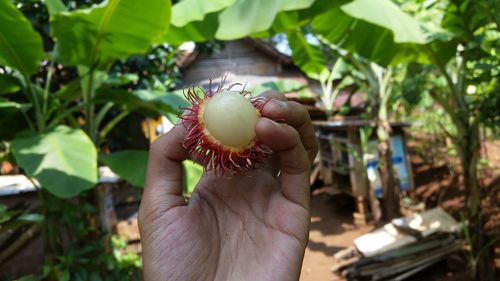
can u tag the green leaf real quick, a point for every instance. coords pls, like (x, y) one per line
(192, 175)
(283, 86)
(368, 40)
(246, 17)
(284, 21)
(12, 120)
(307, 57)
(63, 160)
(9, 84)
(386, 14)
(55, 6)
(31, 218)
(187, 11)
(13, 224)
(72, 90)
(291, 20)
(197, 31)
(128, 164)
(120, 79)
(143, 101)
(171, 103)
(114, 29)
(6, 105)
(317, 8)
(20, 45)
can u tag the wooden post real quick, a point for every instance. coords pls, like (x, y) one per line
(107, 213)
(359, 181)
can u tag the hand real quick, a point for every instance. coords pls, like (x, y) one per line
(253, 226)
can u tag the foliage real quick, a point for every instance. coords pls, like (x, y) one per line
(130, 164)
(283, 86)
(192, 174)
(102, 30)
(227, 20)
(98, 36)
(95, 74)
(308, 57)
(155, 70)
(51, 158)
(57, 124)
(84, 258)
(21, 46)
(13, 218)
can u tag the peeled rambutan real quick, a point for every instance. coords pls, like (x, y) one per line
(221, 129)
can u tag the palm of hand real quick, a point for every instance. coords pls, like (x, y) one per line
(229, 224)
(252, 226)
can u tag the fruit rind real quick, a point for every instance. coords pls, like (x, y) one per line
(208, 151)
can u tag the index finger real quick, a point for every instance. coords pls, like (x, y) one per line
(293, 160)
(295, 115)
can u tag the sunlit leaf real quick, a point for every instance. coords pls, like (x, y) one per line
(307, 57)
(114, 29)
(128, 164)
(9, 84)
(63, 160)
(54, 6)
(187, 11)
(20, 45)
(385, 13)
(247, 17)
(368, 40)
(240, 19)
(143, 101)
(192, 174)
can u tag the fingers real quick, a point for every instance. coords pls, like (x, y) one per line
(295, 115)
(164, 179)
(273, 94)
(293, 159)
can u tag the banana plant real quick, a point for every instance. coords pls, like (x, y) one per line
(363, 36)
(47, 140)
(55, 131)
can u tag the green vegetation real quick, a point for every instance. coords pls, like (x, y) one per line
(71, 71)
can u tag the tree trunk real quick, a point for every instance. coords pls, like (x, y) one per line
(469, 147)
(391, 199)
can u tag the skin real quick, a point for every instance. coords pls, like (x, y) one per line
(253, 226)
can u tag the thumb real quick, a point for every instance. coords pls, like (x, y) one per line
(164, 178)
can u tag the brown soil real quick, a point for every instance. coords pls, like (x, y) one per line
(332, 229)
(436, 183)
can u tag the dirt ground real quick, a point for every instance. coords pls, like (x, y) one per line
(332, 227)
(332, 230)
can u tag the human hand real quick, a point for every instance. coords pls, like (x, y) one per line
(252, 226)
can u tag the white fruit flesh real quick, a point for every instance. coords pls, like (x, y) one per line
(230, 118)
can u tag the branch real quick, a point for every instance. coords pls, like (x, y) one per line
(65, 114)
(111, 124)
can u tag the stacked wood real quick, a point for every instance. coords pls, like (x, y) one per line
(413, 247)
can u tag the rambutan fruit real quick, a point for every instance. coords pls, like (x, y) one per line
(221, 129)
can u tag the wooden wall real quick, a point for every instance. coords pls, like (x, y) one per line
(240, 58)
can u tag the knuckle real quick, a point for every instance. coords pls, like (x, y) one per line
(300, 112)
(274, 94)
(298, 106)
(291, 131)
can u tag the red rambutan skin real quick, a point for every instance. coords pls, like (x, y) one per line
(209, 152)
